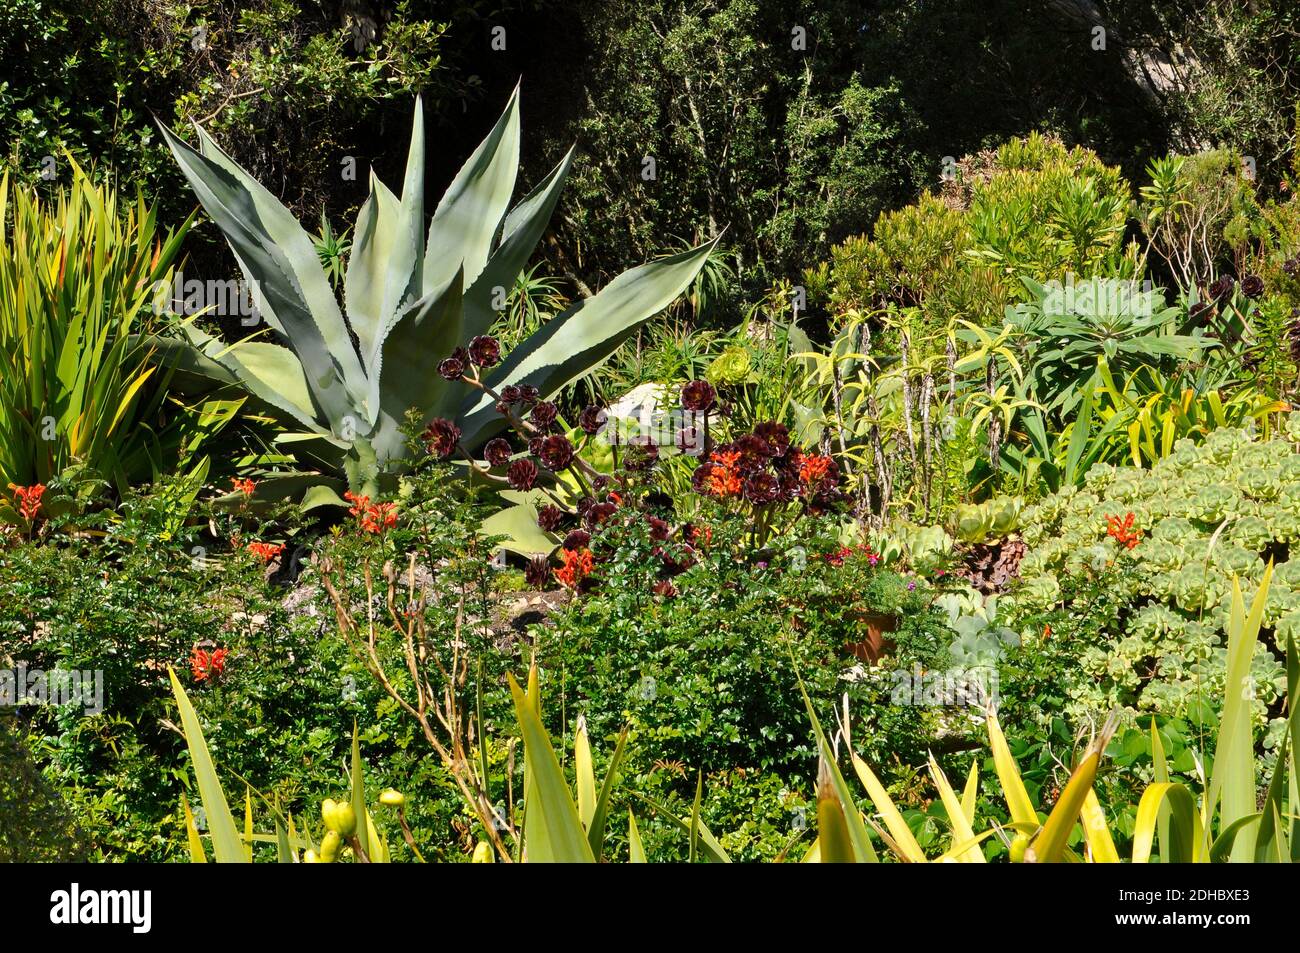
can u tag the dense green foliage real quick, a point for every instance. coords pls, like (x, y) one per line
(943, 408)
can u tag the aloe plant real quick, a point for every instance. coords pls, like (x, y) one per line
(344, 380)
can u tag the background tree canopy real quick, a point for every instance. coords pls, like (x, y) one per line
(788, 126)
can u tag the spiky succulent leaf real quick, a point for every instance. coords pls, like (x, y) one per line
(584, 335)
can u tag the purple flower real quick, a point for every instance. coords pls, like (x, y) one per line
(441, 437)
(522, 474)
(543, 415)
(550, 517)
(497, 451)
(592, 419)
(776, 434)
(451, 368)
(762, 487)
(485, 351)
(1220, 287)
(698, 396)
(641, 455)
(577, 539)
(538, 573)
(600, 513)
(556, 452)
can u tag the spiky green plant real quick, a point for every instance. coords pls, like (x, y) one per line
(344, 382)
(80, 273)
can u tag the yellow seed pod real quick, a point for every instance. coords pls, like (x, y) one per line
(339, 816)
(391, 798)
(346, 818)
(310, 857)
(483, 854)
(329, 847)
(1018, 848)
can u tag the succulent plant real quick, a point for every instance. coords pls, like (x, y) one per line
(1208, 513)
(344, 381)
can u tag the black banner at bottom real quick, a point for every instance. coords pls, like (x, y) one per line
(137, 904)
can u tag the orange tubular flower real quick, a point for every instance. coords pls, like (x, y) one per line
(813, 468)
(1121, 530)
(28, 499)
(266, 551)
(724, 479)
(243, 487)
(205, 664)
(372, 517)
(578, 564)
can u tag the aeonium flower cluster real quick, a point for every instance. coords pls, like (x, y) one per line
(762, 467)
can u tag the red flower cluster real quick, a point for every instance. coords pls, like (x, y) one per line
(266, 551)
(207, 665)
(838, 557)
(28, 499)
(762, 467)
(243, 487)
(722, 478)
(578, 564)
(372, 517)
(1121, 530)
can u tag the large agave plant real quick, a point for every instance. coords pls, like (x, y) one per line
(344, 380)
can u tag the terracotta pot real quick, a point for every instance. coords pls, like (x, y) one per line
(877, 626)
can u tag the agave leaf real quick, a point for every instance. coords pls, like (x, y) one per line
(424, 333)
(574, 342)
(271, 373)
(226, 842)
(365, 284)
(404, 273)
(461, 233)
(281, 265)
(518, 525)
(520, 234)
